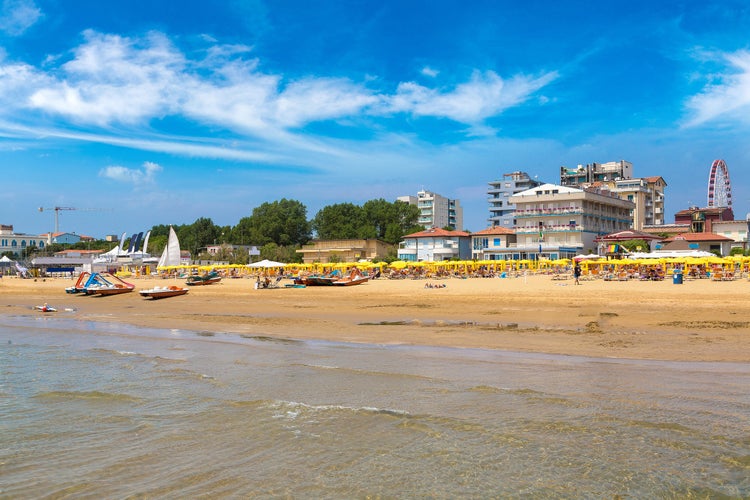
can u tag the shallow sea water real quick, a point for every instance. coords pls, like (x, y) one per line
(96, 410)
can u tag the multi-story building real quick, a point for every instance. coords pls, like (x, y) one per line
(561, 221)
(499, 193)
(16, 243)
(596, 172)
(435, 244)
(647, 193)
(436, 210)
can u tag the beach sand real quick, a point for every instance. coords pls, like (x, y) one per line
(699, 320)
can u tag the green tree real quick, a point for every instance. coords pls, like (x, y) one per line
(272, 251)
(339, 222)
(282, 222)
(199, 234)
(633, 245)
(391, 221)
(375, 219)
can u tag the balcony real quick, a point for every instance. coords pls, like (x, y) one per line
(536, 212)
(552, 228)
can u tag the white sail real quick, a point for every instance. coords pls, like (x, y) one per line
(171, 254)
(145, 242)
(122, 242)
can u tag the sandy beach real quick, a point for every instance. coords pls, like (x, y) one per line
(699, 320)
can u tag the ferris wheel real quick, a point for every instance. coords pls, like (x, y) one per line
(719, 188)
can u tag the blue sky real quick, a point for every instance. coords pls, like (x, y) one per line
(140, 113)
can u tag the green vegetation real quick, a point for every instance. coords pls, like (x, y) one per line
(278, 229)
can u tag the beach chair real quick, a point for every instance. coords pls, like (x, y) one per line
(275, 283)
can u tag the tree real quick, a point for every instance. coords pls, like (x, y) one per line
(282, 222)
(375, 219)
(199, 234)
(636, 245)
(341, 221)
(272, 251)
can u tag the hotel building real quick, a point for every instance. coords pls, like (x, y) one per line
(559, 221)
(436, 210)
(499, 194)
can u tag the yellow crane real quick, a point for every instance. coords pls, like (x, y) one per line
(57, 213)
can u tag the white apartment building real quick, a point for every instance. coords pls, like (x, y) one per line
(499, 193)
(436, 210)
(559, 221)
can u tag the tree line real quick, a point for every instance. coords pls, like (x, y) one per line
(281, 227)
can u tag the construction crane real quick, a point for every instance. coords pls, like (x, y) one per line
(57, 213)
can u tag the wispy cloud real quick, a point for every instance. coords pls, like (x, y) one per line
(144, 175)
(114, 80)
(16, 16)
(727, 96)
(485, 95)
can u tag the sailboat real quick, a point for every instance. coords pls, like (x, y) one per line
(171, 254)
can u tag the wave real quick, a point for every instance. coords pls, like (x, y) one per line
(292, 409)
(89, 395)
(362, 371)
(115, 351)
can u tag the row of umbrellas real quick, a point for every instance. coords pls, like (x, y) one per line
(473, 265)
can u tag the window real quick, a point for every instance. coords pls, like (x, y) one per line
(496, 242)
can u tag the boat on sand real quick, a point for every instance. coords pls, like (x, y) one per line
(163, 292)
(205, 279)
(106, 284)
(355, 277)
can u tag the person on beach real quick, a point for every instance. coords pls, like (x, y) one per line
(577, 273)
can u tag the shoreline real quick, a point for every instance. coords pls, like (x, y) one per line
(699, 320)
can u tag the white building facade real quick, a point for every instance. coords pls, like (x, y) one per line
(435, 244)
(559, 221)
(16, 243)
(492, 243)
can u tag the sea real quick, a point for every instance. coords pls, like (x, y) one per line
(105, 410)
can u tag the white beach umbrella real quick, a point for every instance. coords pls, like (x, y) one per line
(265, 264)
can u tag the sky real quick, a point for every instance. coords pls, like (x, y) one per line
(141, 113)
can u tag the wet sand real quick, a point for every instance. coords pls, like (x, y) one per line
(699, 320)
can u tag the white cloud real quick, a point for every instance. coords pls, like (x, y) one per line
(727, 96)
(427, 71)
(485, 95)
(145, 175)
(16, 16)
(113, 80)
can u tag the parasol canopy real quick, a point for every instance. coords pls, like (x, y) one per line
(265, 263)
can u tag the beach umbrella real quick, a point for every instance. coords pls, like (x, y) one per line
(265, 264)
